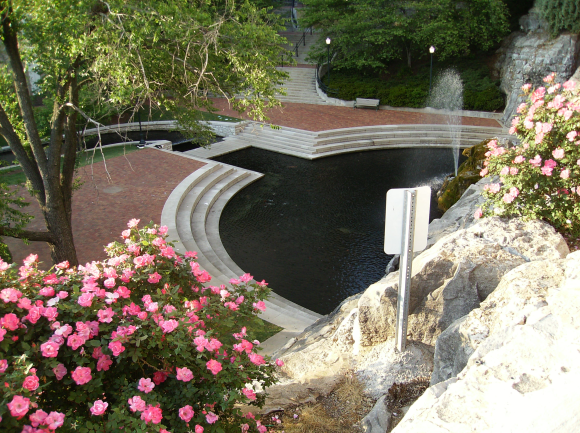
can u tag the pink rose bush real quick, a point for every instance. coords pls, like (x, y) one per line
(539, 176)
(141, 340)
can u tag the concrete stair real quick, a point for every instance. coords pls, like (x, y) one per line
(313, 145)
(300, 87)
(192, 214)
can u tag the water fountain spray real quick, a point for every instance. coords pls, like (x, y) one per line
(447, 94)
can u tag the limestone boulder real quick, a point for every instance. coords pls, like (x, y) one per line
(378, 420)
(524, 372)
(529, 56)
(453, 276)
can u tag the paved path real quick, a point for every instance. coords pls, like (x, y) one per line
(141, 183)
(325, 117)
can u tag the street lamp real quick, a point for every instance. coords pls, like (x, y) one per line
(328, 53)
(431, 50)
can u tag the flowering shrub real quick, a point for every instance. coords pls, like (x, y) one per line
(540, 177)
(135, 343)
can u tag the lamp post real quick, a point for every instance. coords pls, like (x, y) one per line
(431, 50)
(328, 54)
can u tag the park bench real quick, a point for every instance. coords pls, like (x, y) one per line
(361, 102)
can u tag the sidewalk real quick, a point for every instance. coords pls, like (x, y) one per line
(325, 117)
(141, 182)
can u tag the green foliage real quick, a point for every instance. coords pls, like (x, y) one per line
(142, 315)
(561, 15)
(467, 174)
(370, 33)
(12, 220)
(408, 89)
(539, 178)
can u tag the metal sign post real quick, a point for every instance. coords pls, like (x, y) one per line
(405, 264)
(406, 227)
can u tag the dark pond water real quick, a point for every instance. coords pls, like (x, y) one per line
(314, 230)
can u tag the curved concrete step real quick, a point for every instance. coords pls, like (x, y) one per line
(193, 210)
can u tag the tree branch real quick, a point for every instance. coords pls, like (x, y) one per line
(10, 40)
(28, 235)
(29, 166)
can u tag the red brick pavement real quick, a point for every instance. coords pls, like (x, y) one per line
(322, 117)
(139, 186)
(101, 208)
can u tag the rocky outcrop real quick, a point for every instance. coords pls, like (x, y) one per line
(462, 268)
(512, 365)
(530, 55)
(451, 278)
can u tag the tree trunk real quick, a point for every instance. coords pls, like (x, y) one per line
(58, 224)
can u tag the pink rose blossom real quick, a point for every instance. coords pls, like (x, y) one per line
(569, 85)
(536, 161)
(62, 294)
(116, 347)
(547, 171)
(154, 278)
(513, 171)
(37, 418)
(10, 321)
(211, 417)
(214, 366)
(123, 292)
(49, 349)
(109, 283)
(539, 138)
(571, 135)
(249, 394)
(538, 94)
(260, 305)
(526, 87)
(186, 413)
(106, 315)
(198, 428)
(82, 375)
(30, 383)
(280, 363)
(184, 374)
(257, 359)
(133, 223)
(159, 377)
(565, 174)
(54, 420)
(99, 407)
(558, 153)
(504, 171)
(145, 385)
(46, 291)
(59, 371)
(137, 404)
(519, 159)
(75, 341)
(152, 414)
(169, 325)
(104, 363)
(3, 365)
(19, 406)
(86, 299)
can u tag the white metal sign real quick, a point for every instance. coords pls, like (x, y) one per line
(394, 219)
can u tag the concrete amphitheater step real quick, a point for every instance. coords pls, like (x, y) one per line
(192, 213)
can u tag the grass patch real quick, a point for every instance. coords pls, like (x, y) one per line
(263, 332)
(16, 176)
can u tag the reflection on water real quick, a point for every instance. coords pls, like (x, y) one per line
(314, 229)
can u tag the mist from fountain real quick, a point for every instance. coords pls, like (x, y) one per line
(447, 94)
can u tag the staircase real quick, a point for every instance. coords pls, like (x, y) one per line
(314, 145)
(192, 214)
(300, 86)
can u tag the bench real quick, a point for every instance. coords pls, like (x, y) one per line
(361, 102)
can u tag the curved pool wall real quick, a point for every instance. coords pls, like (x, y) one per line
(314, 229)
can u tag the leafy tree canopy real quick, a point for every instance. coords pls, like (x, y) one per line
(94, 56)
(560, 14)
(370, 33)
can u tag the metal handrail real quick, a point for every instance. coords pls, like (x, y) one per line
(328, 90)
(302, 40)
